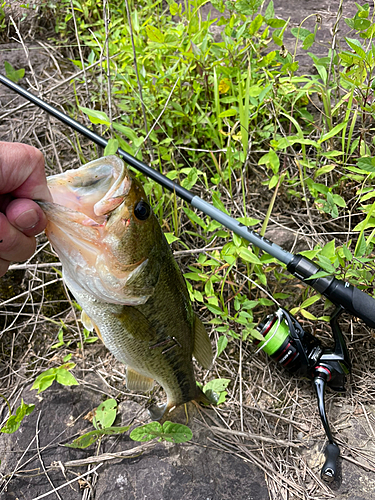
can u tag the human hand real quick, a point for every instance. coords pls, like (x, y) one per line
(22, 180)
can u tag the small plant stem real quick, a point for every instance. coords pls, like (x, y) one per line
(161, 113)
(8, 404)
(240, 384)
(304, 195)
(26, 50)
(138, 80)
(37, 430)
(335, 31)
(79, 48)
(108, 74)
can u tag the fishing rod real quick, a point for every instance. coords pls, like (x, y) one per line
(283, 336)
(340, 293)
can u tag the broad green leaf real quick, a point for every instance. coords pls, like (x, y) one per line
(360, 246)
(311, 300)
(191, 179)
(365, 224)
(367, 164)
(43, 381)
(215, 390)
(329, 249)
(96, 116)
(173, 8)
(270, 10)
(154, 34)
(276, 23)
(319, 274)
(217, 385)
(146, 432)
(332, 132)
(273, 181)
(308, 41)
(170, 237)
(339, 200)
(129, 133)
(91, 437)
(307, 314)
(247, 255)
(228, 112)
(347, 253)
(248, 7)
(221, 344)
(105, 414)
(64, 377)
(256, 24)
(271, 160)
(194, 217)
(217, 202)
(176, 433)
(14, 421)
(111, 147)
(300, 33)
(13, 74)
(249, 221)
(324, 170)
(356, 46)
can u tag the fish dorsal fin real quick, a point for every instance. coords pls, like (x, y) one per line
(90, 325)
(137, 382)
(202, 345)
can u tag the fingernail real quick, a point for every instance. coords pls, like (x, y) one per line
(27, 220)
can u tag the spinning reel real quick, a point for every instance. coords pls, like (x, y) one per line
(301, 353)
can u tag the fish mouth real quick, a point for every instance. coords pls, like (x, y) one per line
(82, 201)
(96, 189)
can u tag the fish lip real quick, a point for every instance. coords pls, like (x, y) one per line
(96, 189)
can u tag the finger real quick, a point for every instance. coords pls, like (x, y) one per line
(22, 171)
(4, 264)
(14, 245)
(26, 216)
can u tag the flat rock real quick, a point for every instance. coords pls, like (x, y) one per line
(189, 471)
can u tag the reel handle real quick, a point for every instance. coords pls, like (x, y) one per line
(332, 451)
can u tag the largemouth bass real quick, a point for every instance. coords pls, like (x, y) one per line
(120, 269)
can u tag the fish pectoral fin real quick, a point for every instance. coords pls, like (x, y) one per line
(202, 345)
(90, 325)
(137, 382)
(137, 325)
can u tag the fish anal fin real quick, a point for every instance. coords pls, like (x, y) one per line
(90, 325)
(137, 382)
(202, 345)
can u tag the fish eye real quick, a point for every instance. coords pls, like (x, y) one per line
(142, 210)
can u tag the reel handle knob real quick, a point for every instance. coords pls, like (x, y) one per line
(329, 470)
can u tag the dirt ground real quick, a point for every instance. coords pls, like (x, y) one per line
(279, 454)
